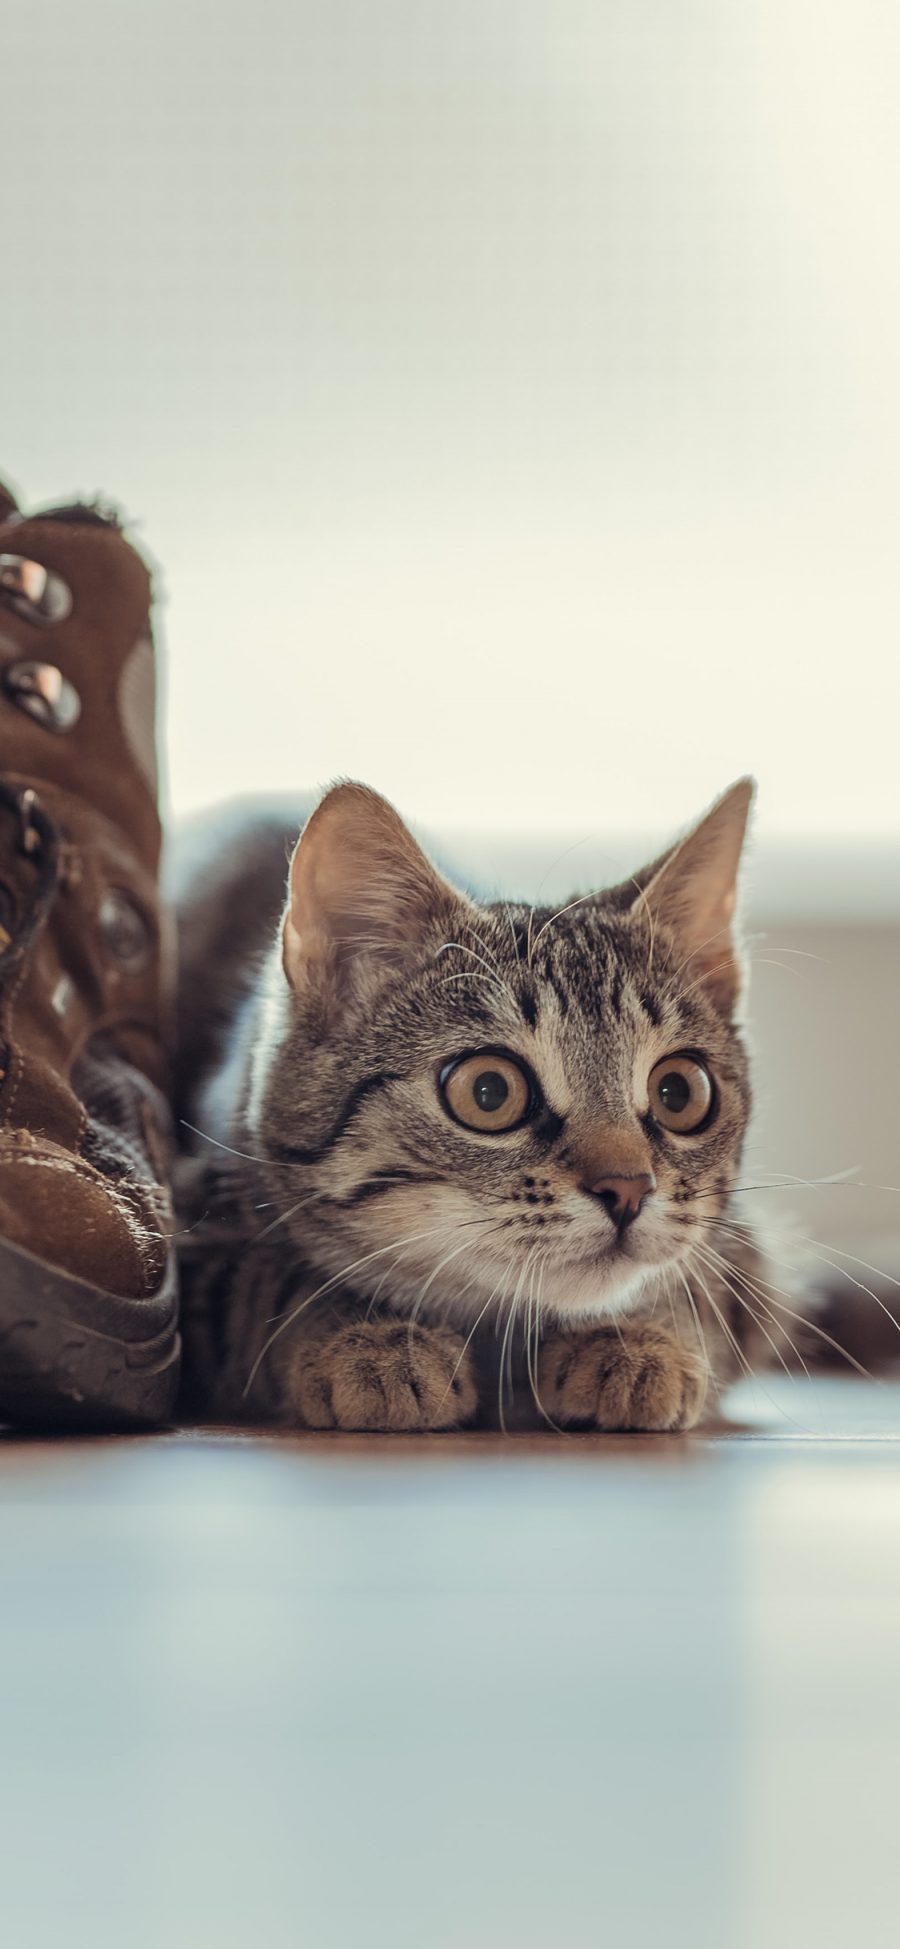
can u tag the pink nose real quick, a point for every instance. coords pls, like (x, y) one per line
(622, 1197)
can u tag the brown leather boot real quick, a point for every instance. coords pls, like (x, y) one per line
(88, 1301)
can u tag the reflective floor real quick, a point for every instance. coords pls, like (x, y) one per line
(458, 1691)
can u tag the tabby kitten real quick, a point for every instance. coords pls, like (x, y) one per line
(480, 1158)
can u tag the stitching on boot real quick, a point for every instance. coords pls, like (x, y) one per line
(26, 1149)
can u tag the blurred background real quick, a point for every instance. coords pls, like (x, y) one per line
(508, 394)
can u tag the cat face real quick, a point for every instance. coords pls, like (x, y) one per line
(469, 1107)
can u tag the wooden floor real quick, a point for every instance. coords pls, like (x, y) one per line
(457, 1693)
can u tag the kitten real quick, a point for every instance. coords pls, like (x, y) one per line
(478, 1154)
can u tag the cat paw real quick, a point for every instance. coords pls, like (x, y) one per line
(386, 1377)
(638, 1378)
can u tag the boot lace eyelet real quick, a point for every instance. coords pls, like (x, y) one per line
(126, 934)
(42, 692)
(33, 591)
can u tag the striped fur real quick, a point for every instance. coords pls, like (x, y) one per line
(356, 1207)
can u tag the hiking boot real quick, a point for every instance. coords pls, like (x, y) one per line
(88, 1299)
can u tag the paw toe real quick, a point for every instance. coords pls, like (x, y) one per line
(639, 1381)
(388, 1377)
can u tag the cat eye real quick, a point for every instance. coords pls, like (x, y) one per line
(487, 1091)
(681, 1093)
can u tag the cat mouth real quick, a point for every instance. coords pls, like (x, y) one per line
(622, 1251)
(620, 1247)
(605, 1252)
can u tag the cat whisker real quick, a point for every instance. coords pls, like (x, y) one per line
(168, 1238)
(752, 1287)
(845, 1176)
(376, 1290)
(335, 1280)
(777, 1405)
(650, 921)
(389, 1270)
(207, 1139)
(728, 1332)
(674, 973)
(466, 1246)
(777, 947)
(506, 1344)
(858, 1283)
(785, 1181)
(812, 1326)
(523, 1293)
(387, 1178)
(494, 971)
(701, 1336)
(757, 960)
(529, 1310)
(533, 946)
(718, 1267)
(719, 967)
(670, 1297)
(556, 861)
(285, 1217)
(474, 1328)
(718, 1271)
(657, 1286)
(515, 939)
(486, 948)
(839, 1269)
(470, 975)
(769, 961)
(531, 1361)
(187, 1230)
(879, 1273)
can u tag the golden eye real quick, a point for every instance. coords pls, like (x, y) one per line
(681, 1093)
(486, 1092)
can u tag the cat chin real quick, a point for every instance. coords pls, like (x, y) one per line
(607, 1290)
(578, 1293)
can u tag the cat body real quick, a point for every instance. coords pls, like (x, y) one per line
(463, 1161)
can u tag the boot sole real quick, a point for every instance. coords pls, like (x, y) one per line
(76, 1358)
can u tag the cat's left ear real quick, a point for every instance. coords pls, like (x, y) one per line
(362, 896)
(693, 892)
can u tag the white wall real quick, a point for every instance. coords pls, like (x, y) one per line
(828, 1088)
(507, 388)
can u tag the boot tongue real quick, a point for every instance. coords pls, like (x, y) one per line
(8, 503)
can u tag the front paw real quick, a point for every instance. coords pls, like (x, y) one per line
(386, 1377)
(639, 1378)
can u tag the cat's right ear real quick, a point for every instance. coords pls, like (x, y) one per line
(362, 896)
